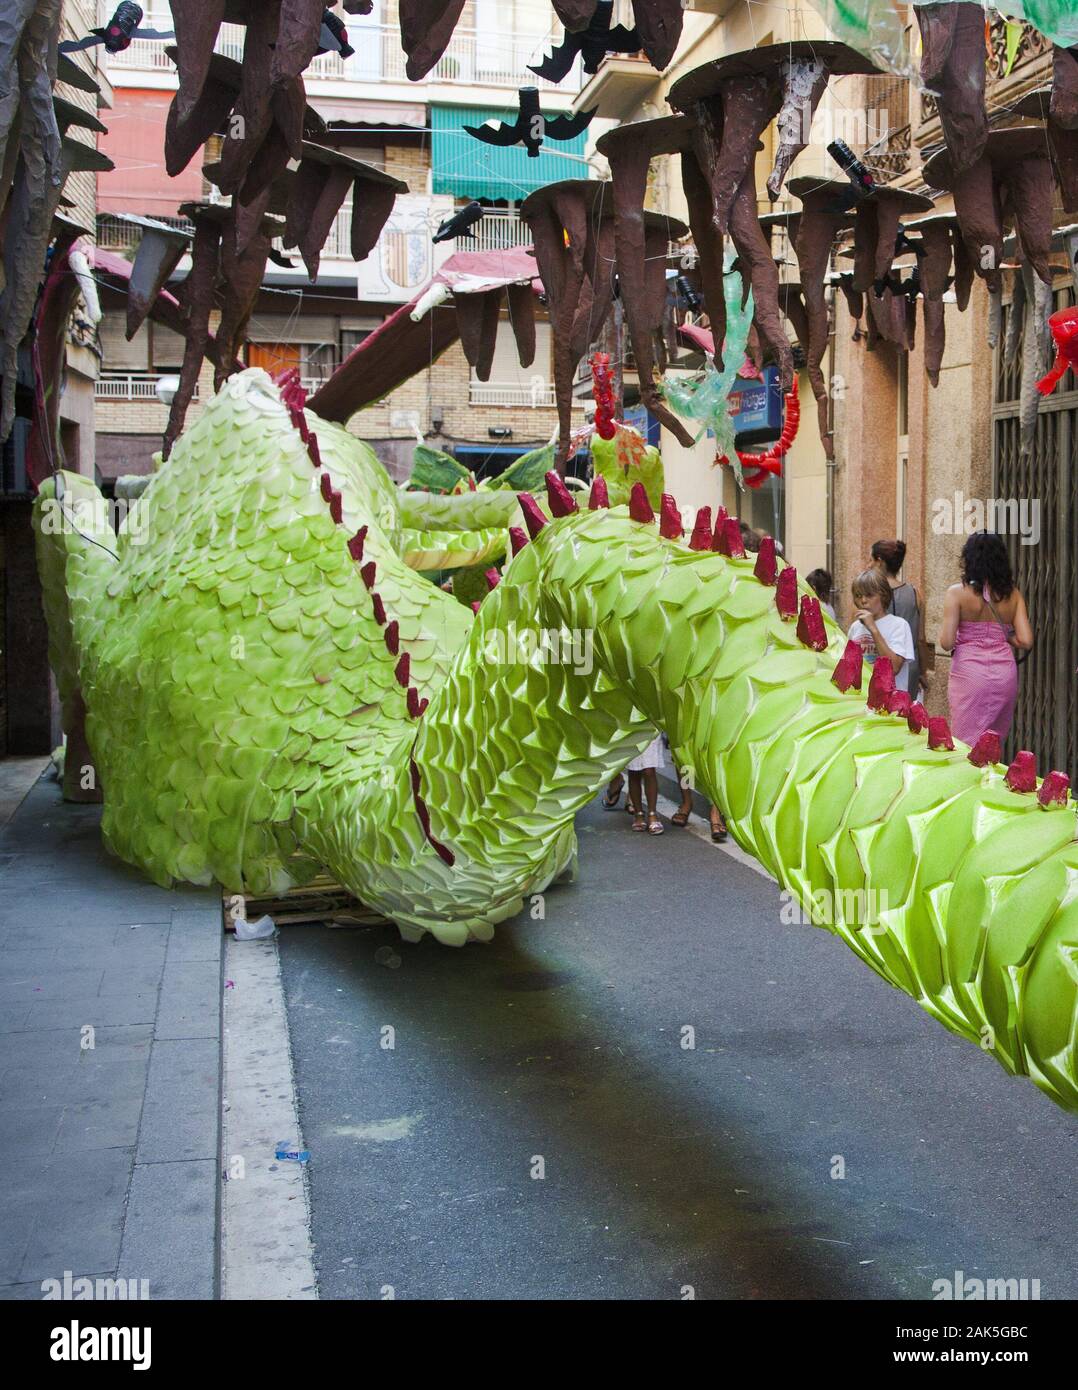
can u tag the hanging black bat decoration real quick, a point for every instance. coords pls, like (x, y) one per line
(531, 127)
(333, 37)
(458, 224)
(860, 177)
(894, 282)
(118, 32)
(908, 243)
(592, 43)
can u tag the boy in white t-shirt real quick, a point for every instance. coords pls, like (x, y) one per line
(881, 634)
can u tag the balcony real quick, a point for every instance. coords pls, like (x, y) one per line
(472, 59)
(496, 231)
(622, 83)
(131, 386)
(536, 394)
(114, 234)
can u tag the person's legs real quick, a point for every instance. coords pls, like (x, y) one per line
(651, 791)
(681, 815)
(718, 825)
(634, 802)
(613, 793)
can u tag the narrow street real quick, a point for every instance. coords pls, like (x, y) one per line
(558, 1048)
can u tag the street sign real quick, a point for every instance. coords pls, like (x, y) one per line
(756, 407)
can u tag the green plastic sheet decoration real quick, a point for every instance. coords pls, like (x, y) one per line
(626, 460)
(704, 396)
(256, 659)
(877, 28)
(436, 471)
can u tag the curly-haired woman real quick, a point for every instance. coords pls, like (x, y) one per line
(985, 624)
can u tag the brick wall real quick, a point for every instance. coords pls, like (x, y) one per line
(445, 386)
(410, 163)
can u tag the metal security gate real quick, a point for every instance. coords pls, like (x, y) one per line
(1046, 718)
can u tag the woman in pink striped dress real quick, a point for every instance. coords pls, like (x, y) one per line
(985, 624)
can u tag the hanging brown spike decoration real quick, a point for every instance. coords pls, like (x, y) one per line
(630, 150)
(708, 245)
(573, 226)
(197, 24)
(198, 303)
(759, 271)
(477, 321)
(297, 39)
(186, 132)
(597, 290)
(1052, 105)
(242, 273)
(317, 192)
(558, 217)
(823, 217)
(574, 14)
(658, 24)
(190, 123)
(522, 319)
(1064, 98)
(876, 227)
(244, 135)
(735, 98)
(426, 28)
(953, 70)
(1012, 181)
(936, 233)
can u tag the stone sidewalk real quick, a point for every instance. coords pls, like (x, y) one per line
(110, 1063)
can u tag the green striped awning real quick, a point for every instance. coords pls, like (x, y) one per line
(468, 168)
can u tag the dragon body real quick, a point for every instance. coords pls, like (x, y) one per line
(272, 689)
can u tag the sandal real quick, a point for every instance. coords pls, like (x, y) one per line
(655, 825)
(639, 823)
(718, 832)
(631, 808)
(613, 795)
(680, 818)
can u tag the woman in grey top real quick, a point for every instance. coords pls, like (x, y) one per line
(888, 558)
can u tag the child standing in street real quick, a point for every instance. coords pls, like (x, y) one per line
(882, 634)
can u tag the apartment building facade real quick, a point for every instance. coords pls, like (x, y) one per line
(414, 131)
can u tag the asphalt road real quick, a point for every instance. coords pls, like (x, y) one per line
(558, 1048)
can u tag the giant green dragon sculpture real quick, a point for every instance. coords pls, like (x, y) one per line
(272, 689)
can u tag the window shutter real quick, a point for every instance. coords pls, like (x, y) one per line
(119, 355)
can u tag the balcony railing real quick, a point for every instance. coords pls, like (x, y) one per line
(114, 234)
(133, 386)
(496, 231)
(471, 59)
(541, 393)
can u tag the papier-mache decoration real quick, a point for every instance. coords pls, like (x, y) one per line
(349, 745)
(591, 44)
(602, 388)
(36, 158)
(704, 396)
(757, 468)
(574, 225)
(531, 126)
(1064, 326)
(877, 28)
(124, 26)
